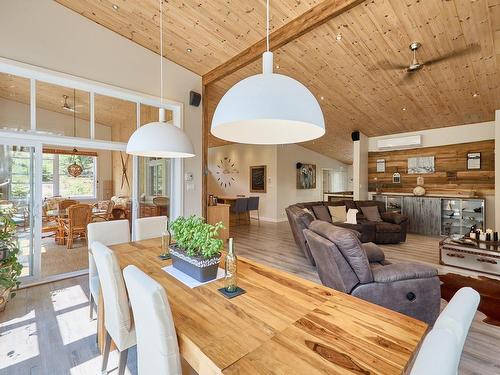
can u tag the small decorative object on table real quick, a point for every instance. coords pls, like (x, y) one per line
(165, 242)
(419, 189)
(197, 248)
(231, 288)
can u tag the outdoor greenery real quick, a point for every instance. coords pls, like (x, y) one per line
(10, 268)
(196, 237)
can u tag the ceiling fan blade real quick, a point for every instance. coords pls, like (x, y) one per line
(384, 65)
(454, 54)
(407, 78)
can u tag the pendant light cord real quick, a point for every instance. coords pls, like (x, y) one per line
(161, 52)
(267, 25)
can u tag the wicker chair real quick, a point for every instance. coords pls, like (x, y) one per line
(67, 203)
(79, 216)
(108, 207)
(162, 203)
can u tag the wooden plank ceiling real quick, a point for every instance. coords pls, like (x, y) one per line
(346, 75)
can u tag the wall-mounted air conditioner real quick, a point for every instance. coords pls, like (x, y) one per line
(400, 142)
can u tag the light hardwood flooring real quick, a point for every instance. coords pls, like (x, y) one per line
(46, 329)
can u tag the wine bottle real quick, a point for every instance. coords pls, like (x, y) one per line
(230, 278)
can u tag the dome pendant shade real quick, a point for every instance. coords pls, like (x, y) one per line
(160, 139)
(268, 108)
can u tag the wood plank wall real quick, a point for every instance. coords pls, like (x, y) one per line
(451, 175)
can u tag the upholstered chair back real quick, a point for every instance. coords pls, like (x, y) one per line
(108, 233)
(333, 269)
(117, 318)
(442, 347)
(149, 227)
(458, 314)
(349, 245)
(157, 348)
(300, 220)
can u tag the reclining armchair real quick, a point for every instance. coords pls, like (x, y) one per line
(342, 263)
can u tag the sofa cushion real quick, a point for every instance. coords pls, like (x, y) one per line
(349, 245)
(393, 217)
(351, 216)
(338, 213)
(371, 213)
(321, 213)
(384, 227)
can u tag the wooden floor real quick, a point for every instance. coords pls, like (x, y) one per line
(46, 329)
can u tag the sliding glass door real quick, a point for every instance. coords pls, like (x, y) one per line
(18, 195)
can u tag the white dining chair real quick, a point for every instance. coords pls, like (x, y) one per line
(118, 321)
(149, 227)
(157, 348)
(108, 233)
(442, 347)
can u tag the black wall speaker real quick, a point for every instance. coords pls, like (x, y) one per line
(194, 98)
(298, 165)
(355, 136)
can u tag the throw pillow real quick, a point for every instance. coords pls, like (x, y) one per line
(371, 213)
(308, 211)
(321, 213)
(338, 213)
(351, 216)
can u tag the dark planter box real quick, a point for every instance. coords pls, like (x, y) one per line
(197, 270)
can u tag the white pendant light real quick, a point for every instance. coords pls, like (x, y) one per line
(160, 139)
(268, 108)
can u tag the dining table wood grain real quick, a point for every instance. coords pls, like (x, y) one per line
(283, 324)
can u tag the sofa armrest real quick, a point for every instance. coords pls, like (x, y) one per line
(393, 217)
(373, 252)
(402, 271)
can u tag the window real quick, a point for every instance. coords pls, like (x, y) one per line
(20, 174)
(57, 182)
(158, 171)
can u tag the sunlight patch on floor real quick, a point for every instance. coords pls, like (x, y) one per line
(16, 333)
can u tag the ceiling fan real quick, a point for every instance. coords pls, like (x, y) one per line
(67, 107)
(417, 65)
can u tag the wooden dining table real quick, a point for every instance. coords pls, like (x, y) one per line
(283, 324)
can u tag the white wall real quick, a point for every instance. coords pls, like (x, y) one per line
(281, 174)
(288, 156)
(246, 156)
(480, 131)
(46, 34)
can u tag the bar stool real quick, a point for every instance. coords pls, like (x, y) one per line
(253, 205)
(240, 205)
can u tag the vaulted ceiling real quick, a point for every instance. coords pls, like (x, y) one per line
(341, 61)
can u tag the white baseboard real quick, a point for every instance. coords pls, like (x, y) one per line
(269, 219)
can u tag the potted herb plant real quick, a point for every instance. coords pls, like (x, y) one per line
(10, 268)
(197, 248)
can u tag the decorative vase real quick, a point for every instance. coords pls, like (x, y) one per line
(419, 191)
(230, 275)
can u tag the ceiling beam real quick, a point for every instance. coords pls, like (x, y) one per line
(314, 17)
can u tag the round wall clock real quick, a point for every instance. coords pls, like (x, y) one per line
(226, 172)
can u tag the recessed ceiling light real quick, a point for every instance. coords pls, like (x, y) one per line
(115, 7)
(339, 37)
(403, 109)
(189, 50)
(475, 95)
(322, 97)
(277, 66)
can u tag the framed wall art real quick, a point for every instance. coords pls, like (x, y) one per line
(258, 179)
(473, 160)
(306, 176)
